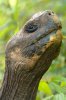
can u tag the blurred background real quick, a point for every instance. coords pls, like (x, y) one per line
(13, 15)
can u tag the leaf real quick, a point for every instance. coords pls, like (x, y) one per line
(44, 87)
(63, 84)
(57, 79)
(64, 37)
(60, 96)
(13, 3)
(55, 87)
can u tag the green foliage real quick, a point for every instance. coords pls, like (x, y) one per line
(43, 87)
(13, 14)
(55, 89)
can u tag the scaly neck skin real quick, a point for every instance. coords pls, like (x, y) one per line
(22, 84)
(22, 88)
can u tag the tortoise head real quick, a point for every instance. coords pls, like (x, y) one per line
(38, 42)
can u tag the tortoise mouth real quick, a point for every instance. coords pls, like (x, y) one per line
(49, 32)
(42, 43)
(44, 38)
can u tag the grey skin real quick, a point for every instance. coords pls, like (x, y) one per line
(29, 54)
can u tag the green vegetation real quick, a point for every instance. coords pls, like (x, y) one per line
(13, 14)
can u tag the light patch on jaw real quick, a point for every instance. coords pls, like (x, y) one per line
(54, 39)
(18, 57)
(31, 61)
(15, 55)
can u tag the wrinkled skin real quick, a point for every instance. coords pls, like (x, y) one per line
(29, 54)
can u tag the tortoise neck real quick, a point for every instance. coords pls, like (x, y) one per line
(21, 86)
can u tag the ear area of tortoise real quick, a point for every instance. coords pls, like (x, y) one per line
(30, 27)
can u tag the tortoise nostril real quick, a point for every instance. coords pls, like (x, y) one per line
(51, 13)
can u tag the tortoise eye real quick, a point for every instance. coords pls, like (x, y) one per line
(31, 27)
